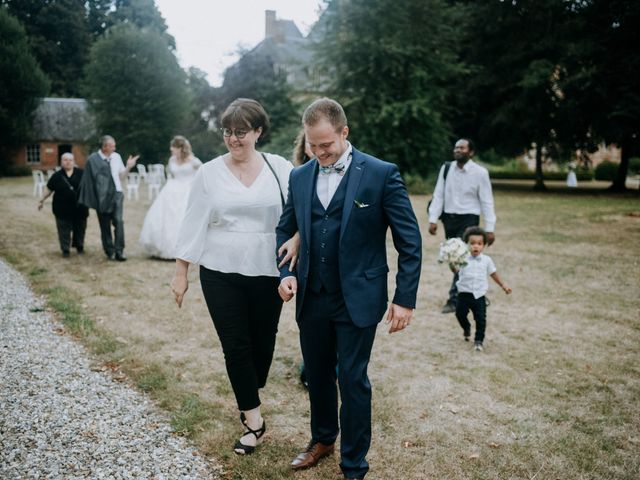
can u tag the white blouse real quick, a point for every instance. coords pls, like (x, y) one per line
(229, 227)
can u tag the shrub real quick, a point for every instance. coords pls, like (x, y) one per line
(634, 165)
(492, 157)
(582, 176)
(514, 165)
(417, 185)
(606, 171)
(15, 171)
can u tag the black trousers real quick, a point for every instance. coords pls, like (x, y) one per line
(110, 244)
(478, 307)
(454, 226)
(245, 312)
(71, 232)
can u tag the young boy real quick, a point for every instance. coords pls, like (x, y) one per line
(472, 285)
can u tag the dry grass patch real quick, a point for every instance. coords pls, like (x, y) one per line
(554, 395)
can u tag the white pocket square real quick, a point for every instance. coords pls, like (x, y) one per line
(360, 204)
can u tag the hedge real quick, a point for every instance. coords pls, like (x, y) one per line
(502, 175)
(606, 170)
(15, 171)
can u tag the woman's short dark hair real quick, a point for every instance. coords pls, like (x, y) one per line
(245, 112)
(474, 231)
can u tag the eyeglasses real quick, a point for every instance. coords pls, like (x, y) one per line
(239, 133)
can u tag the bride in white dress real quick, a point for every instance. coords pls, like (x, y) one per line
(160, 228)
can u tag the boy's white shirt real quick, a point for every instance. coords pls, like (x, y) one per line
(472, 278)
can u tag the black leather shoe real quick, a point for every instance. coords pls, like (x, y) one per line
(120, 257)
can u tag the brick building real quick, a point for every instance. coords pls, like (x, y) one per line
(60, 125)
(291, 53)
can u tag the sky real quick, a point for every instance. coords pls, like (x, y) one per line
(208, 33)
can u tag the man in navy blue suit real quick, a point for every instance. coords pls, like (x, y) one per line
(342, 203)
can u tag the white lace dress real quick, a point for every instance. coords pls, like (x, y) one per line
(160, 228)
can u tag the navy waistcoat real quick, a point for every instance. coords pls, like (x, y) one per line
(324, 270)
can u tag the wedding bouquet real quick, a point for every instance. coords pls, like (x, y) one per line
(453, 252)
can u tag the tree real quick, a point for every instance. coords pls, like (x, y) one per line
(22, 82)
(513, 98)
(199, 127)
(59, 38)
(391, 64)
(254, 76)
(601, 82)
(143, 14)
(97, 17)
(137, 90)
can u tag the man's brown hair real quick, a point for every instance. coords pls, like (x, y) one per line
(325, 108)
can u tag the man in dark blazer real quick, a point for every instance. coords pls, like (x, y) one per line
(101, 189)
(342, 203)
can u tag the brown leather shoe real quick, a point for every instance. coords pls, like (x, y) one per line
(311, 457)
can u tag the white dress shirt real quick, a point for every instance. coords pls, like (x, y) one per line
(472, 278)
(229, 227)
(117, 166)
(466, 190)
(327, 184)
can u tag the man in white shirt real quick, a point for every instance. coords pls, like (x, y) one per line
(101, 189)
(459, 199)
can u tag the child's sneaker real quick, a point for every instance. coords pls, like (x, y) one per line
(478, 346)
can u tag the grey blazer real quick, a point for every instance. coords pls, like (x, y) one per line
(97, 189)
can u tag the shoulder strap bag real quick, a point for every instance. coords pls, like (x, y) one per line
(276, 177)
(447, 165)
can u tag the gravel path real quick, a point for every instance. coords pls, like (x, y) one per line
(60, 419)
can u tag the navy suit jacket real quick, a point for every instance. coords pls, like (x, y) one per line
(376, 199)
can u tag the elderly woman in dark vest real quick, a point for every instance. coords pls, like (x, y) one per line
(71, 218)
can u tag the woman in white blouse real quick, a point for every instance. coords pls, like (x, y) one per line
(229, 230)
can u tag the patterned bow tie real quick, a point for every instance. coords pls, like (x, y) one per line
(338, 168)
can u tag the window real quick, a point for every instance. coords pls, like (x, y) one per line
(33, 153)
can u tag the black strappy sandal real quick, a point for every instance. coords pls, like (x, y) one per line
(240, 448)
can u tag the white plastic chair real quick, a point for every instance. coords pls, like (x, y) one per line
(38, 183)
(154, 184)
(157, 170)
(133, 186)
(49, 173)
(142, 171)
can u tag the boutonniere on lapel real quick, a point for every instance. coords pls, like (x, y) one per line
(360, 204)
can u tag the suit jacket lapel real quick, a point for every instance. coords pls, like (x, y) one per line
(353, 181)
